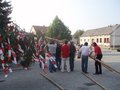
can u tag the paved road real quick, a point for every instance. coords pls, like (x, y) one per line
(26, 80)
(32, 80)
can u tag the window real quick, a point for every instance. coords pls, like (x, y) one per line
(100, 40)
(107, 40)
(97, 40)
(104, 40)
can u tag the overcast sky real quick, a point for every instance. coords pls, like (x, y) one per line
(75, 14)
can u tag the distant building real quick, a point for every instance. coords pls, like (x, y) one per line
(107, 37)
(37, 29)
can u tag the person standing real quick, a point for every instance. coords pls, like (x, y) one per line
(72, 55)
(58, 55)
(85, 52)
(65, 54)
(52, 50)
(98, 56)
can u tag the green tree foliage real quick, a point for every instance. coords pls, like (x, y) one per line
(5, 11)
(58, 30)
(78, 33)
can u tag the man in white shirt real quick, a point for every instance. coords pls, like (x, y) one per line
(85, 52)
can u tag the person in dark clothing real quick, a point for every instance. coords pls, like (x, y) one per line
(98, 55)
(58, 55)
(27, 58)
(72, 55)
(42, 53)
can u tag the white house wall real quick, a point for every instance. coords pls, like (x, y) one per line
(85, 39)
(107, 44)
(33, 30)
(91, 39)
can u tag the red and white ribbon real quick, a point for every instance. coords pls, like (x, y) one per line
(14, 57)
(9, 52)
(52, 59)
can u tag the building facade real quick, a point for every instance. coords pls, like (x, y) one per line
(37, 29)
(106, 37)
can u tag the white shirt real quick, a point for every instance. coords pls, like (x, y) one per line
(52, 48)
(85, 50)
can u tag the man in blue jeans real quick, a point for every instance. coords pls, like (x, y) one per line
(52, 49)
(85, 51)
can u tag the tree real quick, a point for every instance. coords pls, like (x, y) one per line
(78, 33)
(58, 30)
(5, 11)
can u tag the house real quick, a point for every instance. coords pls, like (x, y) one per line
(106, 37)
(37, 29)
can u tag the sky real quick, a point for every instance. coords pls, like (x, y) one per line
(75, 14)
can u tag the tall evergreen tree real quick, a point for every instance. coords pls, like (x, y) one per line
(58, 30)
(5, 11)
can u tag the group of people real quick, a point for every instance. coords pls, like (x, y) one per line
(65, 54)
(85, 52)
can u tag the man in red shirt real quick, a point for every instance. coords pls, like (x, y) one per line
(98, 55)
(65, 53)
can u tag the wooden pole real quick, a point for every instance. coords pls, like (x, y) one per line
(103, 88)
(105, 65)
(53, 82)
(102, 64)
(54, 39)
